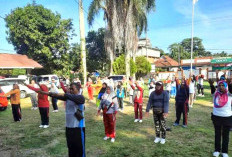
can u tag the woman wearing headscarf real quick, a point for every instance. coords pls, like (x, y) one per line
(15, 102)
(159, 102)
(43, 104)
(109, 106)
(221, 116)
(3, 101)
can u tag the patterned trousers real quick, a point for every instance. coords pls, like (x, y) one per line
(160, 124)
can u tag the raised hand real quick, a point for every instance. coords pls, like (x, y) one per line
(210, 81)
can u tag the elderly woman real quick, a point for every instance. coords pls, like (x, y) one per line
(159, 102)
(109, 106)
(15, 102)
(221, 116)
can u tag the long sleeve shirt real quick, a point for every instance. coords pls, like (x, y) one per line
(158, 101)
(42, 99)
(14, 96)
(109, 103)
(73, 102)
(139, 94)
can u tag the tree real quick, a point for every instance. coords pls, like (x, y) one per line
(119, 66)
(222, 54)
(176, 50)
(184, 47)
(41, 35)
(97, 58)
(143, 66)
(126, 19)
(198, 48)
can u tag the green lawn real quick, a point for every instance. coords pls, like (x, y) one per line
(133, 139)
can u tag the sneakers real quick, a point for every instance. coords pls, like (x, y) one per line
(55, 111)
(184, 126)
(157, 140)
(45, 126)
(140, 121)
(112, 140)
(41, 126)
(136, 120)
(162, 141)
(175, 124)
(225, 155)
(105, 138)
(216, 154)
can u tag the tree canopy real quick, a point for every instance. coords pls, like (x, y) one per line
(41, 35)
(97, 58)
(119, 66)
(143, 66)
(184, 47)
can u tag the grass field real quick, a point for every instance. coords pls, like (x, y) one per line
(26, 139)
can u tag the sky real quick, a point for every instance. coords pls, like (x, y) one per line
(169, 23)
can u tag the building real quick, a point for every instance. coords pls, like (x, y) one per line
(14, 62)
(145, 49)
(200, 65)
(167, 63)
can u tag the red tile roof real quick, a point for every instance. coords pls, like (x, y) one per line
(9, 61)
(165, 62)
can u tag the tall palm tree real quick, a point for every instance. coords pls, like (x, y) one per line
(126, 20)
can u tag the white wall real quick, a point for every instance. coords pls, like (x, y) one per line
(150, 52)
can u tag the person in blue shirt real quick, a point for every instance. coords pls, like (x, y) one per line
(120, 94)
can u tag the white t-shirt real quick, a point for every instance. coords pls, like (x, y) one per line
(201, 81)
(192, 87)
(225, 111)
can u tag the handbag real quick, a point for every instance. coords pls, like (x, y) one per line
(78, 114)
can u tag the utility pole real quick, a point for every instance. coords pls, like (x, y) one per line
(82, 40)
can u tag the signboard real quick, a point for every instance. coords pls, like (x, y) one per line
(221, 68)
(221, 60)
(188, 68)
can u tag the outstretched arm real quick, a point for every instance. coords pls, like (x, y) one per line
(212, 87)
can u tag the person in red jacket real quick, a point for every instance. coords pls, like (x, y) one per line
(138, 101)
(43, 104)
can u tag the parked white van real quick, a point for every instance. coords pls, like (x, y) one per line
(7, 85)
(47, 79)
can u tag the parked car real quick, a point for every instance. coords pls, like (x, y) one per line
(7, 85)
(116, 78)
(47, 79)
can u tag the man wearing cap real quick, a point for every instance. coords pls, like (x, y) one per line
(182, 98)
(159, 101)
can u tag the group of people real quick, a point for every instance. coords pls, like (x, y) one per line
(109, 99)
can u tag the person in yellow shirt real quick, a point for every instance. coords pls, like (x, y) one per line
(15, 102)
(97, 88)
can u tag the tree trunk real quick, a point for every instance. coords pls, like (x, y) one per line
(82, 40)
(127, 63)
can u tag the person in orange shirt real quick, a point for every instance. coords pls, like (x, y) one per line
(15, 102)
(3, 101)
